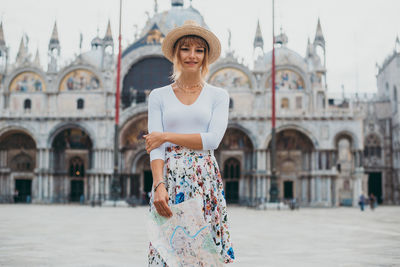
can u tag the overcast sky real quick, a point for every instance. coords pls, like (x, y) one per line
(358, 33)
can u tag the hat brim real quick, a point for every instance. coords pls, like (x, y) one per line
(174, 35)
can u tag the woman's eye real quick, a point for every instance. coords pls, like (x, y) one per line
(184, 48)
(200, 50)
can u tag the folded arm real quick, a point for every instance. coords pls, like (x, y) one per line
(207, 140)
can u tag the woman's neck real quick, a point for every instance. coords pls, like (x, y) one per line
(190, 78)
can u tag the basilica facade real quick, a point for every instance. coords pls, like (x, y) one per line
(57, 125)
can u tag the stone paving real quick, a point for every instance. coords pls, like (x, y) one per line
(69, 235)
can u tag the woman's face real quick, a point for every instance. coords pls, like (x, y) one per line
(191, 57)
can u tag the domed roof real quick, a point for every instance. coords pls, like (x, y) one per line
(283, 56)
(172, 18)
(97, 41)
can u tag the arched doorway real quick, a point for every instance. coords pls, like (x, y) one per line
(18, 152)
(236, 155)
(231, 180)
(293, 152)
(372, 159)
(346, 183)
(71, 157)
(137, 172)
(145, 177)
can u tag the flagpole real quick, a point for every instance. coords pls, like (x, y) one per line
(115, 185)
(274, 186)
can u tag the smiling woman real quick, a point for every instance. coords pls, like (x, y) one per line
(186, 122)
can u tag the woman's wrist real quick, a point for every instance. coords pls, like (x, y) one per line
(160, 183)
(165, 137)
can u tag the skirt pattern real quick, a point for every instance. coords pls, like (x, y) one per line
(192, 173)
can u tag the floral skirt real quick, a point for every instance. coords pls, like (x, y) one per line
(191, 173)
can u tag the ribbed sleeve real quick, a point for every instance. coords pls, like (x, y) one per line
(155, 123)
(218, 122)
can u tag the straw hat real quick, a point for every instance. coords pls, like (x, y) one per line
(190, 27)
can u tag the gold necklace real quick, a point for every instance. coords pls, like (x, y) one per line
(184, 88)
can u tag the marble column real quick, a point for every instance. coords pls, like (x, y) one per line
(318, 189)
(313, 198)
(304, 190)
(328, 191)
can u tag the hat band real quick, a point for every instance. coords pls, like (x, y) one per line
(192, 35)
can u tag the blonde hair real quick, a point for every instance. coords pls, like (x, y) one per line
(189, 40)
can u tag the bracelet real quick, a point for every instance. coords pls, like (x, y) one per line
(155, 188)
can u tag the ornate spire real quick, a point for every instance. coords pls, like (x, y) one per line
(2, 41)
(309, 51)
(397, 45)
(108, 36)
(258, 39)
(54, 35)
(36, 61)
(319, 36)
(155, 7)
(22, 51)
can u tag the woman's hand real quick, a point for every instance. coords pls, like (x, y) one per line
(154, 140)
(161, 201)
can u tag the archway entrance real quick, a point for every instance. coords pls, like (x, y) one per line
(136, 160)
(293, 157)
(231, 179)
(375, 185)
(77, 190)
(18, 152)
(72, 156)
(235, 155)
(24, 188)
(288, 190)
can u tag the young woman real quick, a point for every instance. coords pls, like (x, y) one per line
(186, 122)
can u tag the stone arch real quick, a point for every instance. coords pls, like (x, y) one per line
(236, 139)
(298, 128)
(296, 69)
(132, 130)
(218, 67)
(17, 128)
(85, 67)
(9, 80)
(140, 176)
(67, 125)
(346, 134)
(132, 58)
(249, 134)
(20, 149)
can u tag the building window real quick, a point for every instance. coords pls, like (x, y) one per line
(22, 163)
(285, 103)
(299, 102)
(27, 104)
(395, 98)
(387, 87)
(372, 147)
(232, 169)
(80, 103)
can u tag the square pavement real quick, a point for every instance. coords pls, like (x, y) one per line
(73, 235)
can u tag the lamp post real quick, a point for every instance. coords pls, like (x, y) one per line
(115, 184)
(274, 191)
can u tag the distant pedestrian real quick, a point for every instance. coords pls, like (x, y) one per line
(361, 201)
(372, 201)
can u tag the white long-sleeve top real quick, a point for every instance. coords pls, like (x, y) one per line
(208, 115)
